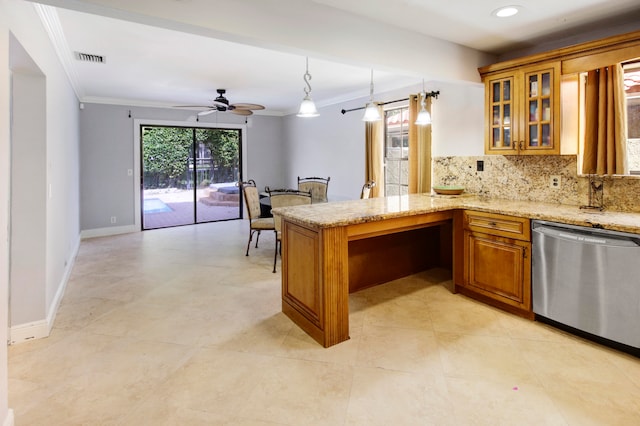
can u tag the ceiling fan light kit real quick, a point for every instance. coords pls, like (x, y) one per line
(307, 106)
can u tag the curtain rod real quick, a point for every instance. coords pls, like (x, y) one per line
(383, 103)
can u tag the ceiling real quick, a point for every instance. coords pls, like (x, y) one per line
(178, 52)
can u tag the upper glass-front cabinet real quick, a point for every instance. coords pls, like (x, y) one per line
(523, 111)
(501, 110)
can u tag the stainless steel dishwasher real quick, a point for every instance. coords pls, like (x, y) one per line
(588, 279)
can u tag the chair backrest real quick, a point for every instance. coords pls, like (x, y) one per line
(366, 189)
(316, 185)
(251, 198)
(286, 198)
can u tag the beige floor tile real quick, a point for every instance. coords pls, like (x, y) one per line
(574, 364)
(81, 312)
(67, 357)
(404, 311)
(485, 358)
(295, 392)
(299, 345)
(490, 403)
(178, 327)
(211, 387)
(596, 403)
(384, 397)
(461, 315)
(401, 349)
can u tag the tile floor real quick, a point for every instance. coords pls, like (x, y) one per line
(177, 327)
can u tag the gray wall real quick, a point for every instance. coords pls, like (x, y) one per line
(107, 154)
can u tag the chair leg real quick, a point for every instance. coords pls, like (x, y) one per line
(275, 256)
(251, 231)
(257, 238)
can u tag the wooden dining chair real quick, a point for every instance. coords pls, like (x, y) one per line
(316, 185)
(285, 198)
(257, 224)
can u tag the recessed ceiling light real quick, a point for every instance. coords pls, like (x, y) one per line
(506, 11)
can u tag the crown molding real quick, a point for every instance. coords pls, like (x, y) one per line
(51, 23)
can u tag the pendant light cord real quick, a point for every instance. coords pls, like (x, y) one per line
(371, 88)
(307, 79)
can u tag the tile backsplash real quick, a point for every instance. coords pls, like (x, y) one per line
(528, 178)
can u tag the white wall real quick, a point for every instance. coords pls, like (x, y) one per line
(333, 144)
(61, 205)
(330, 145)
(458, 120)
(5, 154)
(28, 197)
(303, 28)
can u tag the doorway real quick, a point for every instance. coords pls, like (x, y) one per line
(189, 175)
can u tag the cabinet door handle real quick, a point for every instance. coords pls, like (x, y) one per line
(493, 224)
(524, 253)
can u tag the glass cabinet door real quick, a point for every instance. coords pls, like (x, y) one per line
(501, 108)
(539, 90)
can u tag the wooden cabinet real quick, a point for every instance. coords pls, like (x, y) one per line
(496, 260)
(522, 109)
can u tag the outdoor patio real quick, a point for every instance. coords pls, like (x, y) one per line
(172, 207)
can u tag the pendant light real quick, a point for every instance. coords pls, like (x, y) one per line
(371, 112)
(307, 107)
(424, 117)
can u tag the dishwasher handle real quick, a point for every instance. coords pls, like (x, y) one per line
(587, 236)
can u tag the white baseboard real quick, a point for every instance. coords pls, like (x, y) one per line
(40, 329)
(9, 420)
(105, 232)
(55, 303)
(29, 331)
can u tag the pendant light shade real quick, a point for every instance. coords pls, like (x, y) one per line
(307, 106)
(371, 112)
(424, 117)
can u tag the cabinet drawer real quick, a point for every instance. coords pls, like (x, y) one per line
(497, 224)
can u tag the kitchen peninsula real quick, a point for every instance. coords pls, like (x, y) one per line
(330, 250)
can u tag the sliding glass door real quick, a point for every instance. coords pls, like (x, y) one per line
(189, 175)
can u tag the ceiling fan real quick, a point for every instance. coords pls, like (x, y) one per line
(221, 104)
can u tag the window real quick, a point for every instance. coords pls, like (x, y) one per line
(632, 90)
(396, 151)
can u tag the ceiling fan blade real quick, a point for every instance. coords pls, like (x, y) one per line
(211, 111)
(247, 106)
(242, 111)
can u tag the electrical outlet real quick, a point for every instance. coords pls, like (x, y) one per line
(555, 181)
(113, 219)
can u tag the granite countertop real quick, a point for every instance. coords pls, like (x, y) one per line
(342, 213)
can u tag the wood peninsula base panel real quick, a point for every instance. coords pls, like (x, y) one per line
(314, 281)
(384, 258)
(318, 263)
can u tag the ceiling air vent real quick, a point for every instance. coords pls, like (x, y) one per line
(87, 57)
